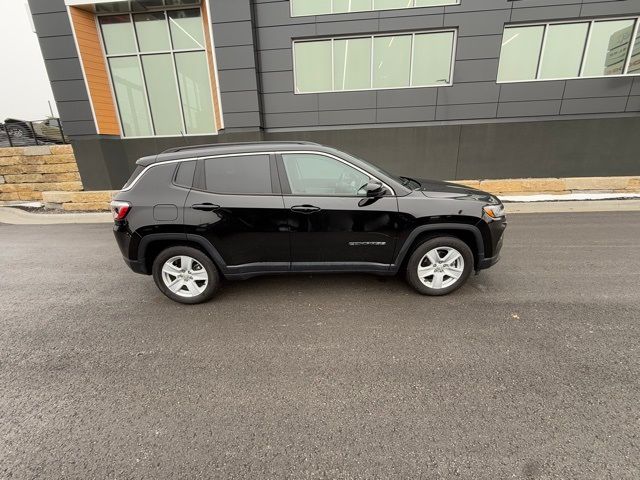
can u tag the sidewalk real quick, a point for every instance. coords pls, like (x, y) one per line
(16, 216)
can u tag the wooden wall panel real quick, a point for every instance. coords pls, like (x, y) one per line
(212, 67)
(95, 71)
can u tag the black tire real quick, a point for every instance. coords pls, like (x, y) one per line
(427, 246)
(212, 273)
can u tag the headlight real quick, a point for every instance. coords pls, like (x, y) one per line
(494, 211)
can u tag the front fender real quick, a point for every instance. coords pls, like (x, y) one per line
(435, 227)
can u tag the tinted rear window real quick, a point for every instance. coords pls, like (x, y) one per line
(247, 175)
(134, 175)
(184, 174)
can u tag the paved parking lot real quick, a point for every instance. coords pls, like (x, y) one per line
(530, 371)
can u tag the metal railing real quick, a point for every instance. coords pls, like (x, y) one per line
(21, 133)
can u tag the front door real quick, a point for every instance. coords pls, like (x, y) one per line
(236, 204)
(332, 223)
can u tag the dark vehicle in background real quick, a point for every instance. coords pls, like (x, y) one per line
(193, 216)
(23, 132)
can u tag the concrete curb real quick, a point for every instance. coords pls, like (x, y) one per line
(15, 216)
(574, 206)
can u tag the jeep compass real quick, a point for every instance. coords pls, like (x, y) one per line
(193, 216)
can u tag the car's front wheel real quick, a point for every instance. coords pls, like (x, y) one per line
(185, 275)
(439, 266)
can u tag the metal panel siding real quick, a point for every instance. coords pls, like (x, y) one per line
(253, 42)
(232, 24)
(63, 66)
(475, 95)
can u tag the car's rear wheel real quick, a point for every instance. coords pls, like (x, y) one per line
(185, 275)
(439, 266)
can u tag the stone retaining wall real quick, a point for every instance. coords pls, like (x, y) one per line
(26, 172)
(94, 201)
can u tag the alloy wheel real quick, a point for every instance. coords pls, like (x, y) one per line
(441, 267)
(185, 276)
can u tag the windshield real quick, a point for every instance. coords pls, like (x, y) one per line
(404, 181)
(375, 169)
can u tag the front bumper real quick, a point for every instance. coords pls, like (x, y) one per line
(488, 262)
(497, 229)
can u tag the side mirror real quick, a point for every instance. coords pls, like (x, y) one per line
(373, 189)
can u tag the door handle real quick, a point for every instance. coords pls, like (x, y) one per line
(308, 209)
(205, 207)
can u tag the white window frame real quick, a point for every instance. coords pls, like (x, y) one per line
(413, 5)
(138, 54)
(587, 43)
(372, 37)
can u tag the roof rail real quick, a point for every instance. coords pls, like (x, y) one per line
(209, 145)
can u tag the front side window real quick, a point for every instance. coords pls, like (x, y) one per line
(314, 174)
(597, 48)
(374, 62)
(244, 175)
(325, 7)
(159, 72)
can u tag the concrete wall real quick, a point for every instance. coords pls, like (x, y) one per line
(598, 147)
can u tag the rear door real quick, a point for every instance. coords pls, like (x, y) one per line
(331, 221)
(236, 204)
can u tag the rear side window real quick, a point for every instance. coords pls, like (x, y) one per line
(134, 175)
(184, 174)
(247, 174)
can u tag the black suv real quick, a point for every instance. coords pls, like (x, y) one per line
(191, 216)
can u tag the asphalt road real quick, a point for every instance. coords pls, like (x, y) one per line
(530, 371)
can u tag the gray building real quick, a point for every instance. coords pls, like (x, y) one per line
(451, 89)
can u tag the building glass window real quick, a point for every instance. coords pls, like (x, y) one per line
(129, 90)
(325, 7)
(392, 61)
(352, 58)
(563, 50)
(596, 48)
(313, 68)
(422, 59)
(432, 58)
(608, 48)
(520, 52)
(634, 61)
(159, 72)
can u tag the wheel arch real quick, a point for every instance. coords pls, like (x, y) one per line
(470, 234)
(152, 244)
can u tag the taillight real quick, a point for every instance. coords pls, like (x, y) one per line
(120, 209)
